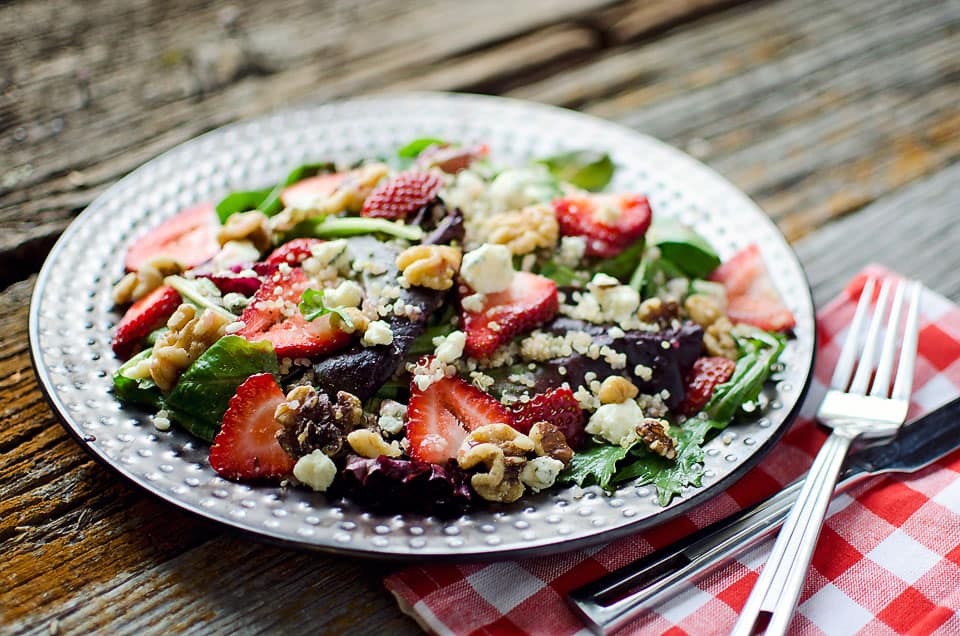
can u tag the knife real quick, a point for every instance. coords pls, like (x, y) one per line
(615, 599)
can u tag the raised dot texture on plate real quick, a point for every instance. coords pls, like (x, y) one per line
(71, 307)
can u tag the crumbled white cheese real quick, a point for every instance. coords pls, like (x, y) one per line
(235, 302)
(519, 187)
(235, 253)
(488, 269)
(328, 251)
(449, 348)
(315, 470)
(616, 423)
(607, 211)
(378, 333)
(618, 303)
(346, 294)
(540, 473)
(473, 303)
(572, 249)
(392, 416)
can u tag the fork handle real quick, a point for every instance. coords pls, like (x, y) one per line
(778, 588)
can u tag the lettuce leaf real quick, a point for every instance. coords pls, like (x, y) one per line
(135, 391)
(201, 396)
(594, 465)
(267, 200)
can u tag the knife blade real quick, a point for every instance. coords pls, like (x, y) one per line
(615, 599)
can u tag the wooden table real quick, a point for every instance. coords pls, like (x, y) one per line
(839, 117)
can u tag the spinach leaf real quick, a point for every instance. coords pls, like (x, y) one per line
(759, 351)
(135, 391)
(267, 200)
(671, 477)
(201, 396)
(683, 247)
(312, 307)
(623, 264)
(330, 227)
(597, 464)
(240, 202)
(560, 274)
(415, 147)
(587, 169)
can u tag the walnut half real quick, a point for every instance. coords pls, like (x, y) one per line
(654, 434)
(311, 421)
(502, 450)
(431, 266)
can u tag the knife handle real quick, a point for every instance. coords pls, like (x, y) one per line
(615, 599)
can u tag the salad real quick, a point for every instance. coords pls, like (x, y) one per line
(430, 331)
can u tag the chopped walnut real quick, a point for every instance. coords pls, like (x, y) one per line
(654, 434)
(522, 231)
(135, 285)
(718, 341)
(703, 310)
(501, 449)
(348, 196)
(549, 441)
(251, 226)
(188, 337)
(655, 310)
(310, 421)
(616, 389)
(432, 266)
(370, 444)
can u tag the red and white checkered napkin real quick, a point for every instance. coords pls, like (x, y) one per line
(888, 560)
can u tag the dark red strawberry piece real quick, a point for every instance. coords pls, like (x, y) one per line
(557, 406)
(751, 296)
(609, 222)
(293, 252)
(703, 378)
(273, 314)
(143, 316)
(303, 193)
(246, 447)
(439, 418)
(401, 195)
(529, 301)
(189, 238)
(451, 159)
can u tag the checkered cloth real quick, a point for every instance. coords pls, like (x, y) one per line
(888, 559)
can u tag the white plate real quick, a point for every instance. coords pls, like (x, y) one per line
(71, 320)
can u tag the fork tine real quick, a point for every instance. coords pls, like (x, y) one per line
(881, 382)
(908, 352)
(861, 380)
(848, 354)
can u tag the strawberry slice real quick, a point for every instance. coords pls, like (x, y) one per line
(557, 406)
(246, 447)
(273, 314)
(401, 195)
(529, 301)
(751, 296)
(293, 252)
(609, 222)
(703, 378)
(143, 316)
(439, 418)
(190, 238)
(303, 193)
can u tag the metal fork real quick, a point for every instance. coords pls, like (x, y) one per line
(853, 409)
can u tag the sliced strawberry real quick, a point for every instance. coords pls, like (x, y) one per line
(190, 238)
(703, 378)
(246, 446)
(401, 195)
(293, 252)
(557, 406)
(751, 296)
(439, 418)
(302, 194)
(273, 314)
(529, 301)
(143, 316)
(609, 222)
